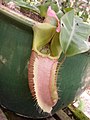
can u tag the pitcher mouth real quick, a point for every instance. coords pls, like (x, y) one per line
(46, 41)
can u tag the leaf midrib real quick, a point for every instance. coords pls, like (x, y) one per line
(71, 35)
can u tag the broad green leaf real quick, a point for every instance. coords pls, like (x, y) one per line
(74, 34)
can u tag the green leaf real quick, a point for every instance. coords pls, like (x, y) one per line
(60, 14)
(74, 34)
(67, 9)
(26, 5)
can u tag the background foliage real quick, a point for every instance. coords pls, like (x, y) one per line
(82, 7)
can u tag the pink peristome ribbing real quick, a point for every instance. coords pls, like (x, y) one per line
(39, 75)
(52, 13)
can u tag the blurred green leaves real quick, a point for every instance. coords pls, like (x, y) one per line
(27, 5)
